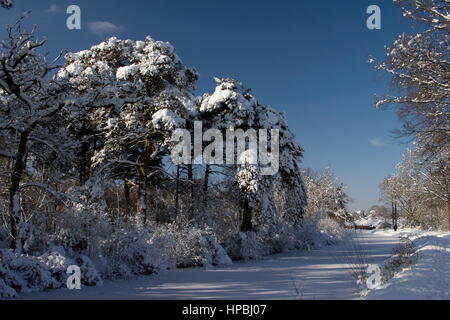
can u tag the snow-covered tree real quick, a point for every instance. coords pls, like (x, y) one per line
(398, 190)
(419, 65)
(292, 186)
(31, 103)
(137, 93)
(420, 188)
(326, 194)
(231, 106)
(429, 179)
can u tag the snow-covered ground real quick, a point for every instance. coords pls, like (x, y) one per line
(318, 274)
(428, 278)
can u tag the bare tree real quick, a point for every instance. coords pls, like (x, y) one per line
(30, 101)
(421, 188)
(420, 69)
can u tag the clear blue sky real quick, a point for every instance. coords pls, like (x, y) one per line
(304, 57)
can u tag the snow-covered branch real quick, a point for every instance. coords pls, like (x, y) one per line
(57, 195)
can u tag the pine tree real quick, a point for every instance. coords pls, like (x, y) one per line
(136, 94)
(232, 106)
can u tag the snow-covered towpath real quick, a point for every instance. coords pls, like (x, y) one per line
(318, 274)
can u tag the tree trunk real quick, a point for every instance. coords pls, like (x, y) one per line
(126, 192)
(395, 217)
(247, 225)
(177, 193)
(15, 206)
(205, 183)
(142, 195)
(144, 172)
(83, 163)
(191, 190)
(393, 214)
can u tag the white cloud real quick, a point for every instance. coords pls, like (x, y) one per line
(103, 28)
(52, 9)
(377, 142)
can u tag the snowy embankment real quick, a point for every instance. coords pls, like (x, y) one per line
(428, 278)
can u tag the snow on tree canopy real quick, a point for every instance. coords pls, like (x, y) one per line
(146, 58)
(120, 71)
(127, 72)
(230, 105)
(167, 119)
(138, 78)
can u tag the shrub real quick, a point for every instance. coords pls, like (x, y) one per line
(57, 263)
(185, 247)
(245, 246)
(89, 274)
(6, 291)
(23, 273)
(129, 250)
(81, 231)
(33, 240)
(403, 256)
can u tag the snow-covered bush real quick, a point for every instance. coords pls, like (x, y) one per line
(57, 263)
(6, 291)
(89, 274)
(284, 239)
(190, 247)
(245, 246)
(24, 273)
(319, 230)
(404, 255)
(215, 254)
(308, 236)
(32, 239)
(129, 250)
(333, 229)
(315, 232)
(81, 231)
